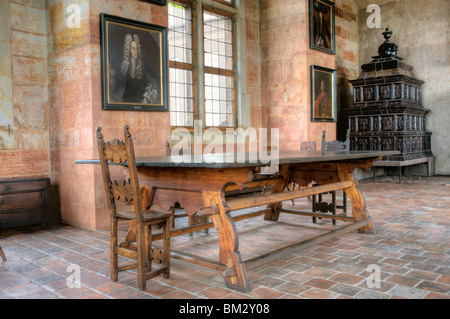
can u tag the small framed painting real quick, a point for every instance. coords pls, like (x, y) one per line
(323, 94)
(134, 65)
(321, 26)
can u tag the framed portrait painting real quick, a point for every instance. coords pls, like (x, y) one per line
(321, 26)
(134, 65)
(323, 94)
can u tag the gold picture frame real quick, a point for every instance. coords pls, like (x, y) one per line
(134, 65)
(323, 94)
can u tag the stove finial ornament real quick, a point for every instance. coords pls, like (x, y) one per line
(387, 49)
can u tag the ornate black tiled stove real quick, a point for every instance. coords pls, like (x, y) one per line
(387, 113)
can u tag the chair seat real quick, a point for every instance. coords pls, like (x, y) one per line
(148, 215)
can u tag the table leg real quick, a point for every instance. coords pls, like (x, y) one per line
(236, 273)
(356, 199)
(274, 214)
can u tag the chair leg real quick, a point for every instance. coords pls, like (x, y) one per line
(172, 211)
(314, 219)
(344, 205)
(166, 249)
(2, 254)
(114, 261)
(141, 261)
(333, 203)
(320, 200)
(148, 247)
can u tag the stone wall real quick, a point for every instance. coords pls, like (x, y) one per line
(23, 91)
(286, 59)
(8, 138)
(347, 59)
(253, 60)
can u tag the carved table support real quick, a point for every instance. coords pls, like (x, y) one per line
(279, 187)
(236, 273)
(331, 172)
(358, 204)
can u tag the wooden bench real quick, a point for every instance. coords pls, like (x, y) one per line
(401, 164)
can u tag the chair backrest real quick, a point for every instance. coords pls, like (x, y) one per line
(124, 190)
(308, 146)
(335, 144)
(182, 151)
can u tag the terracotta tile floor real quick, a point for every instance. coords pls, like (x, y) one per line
(411, 249)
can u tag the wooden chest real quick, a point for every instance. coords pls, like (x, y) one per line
(24, 202)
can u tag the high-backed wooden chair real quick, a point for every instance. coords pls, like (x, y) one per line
(2, 254)
(308, 146)
(335, 145)
(128, 191)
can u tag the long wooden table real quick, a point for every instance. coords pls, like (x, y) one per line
(201, 186)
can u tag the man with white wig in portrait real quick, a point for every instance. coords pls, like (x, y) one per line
(134, 83)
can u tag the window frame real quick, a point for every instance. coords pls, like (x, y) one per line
(186, 66)
(231, 3)
(220, 71)
(198, 67)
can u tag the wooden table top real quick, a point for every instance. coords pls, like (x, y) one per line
(249, 159)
